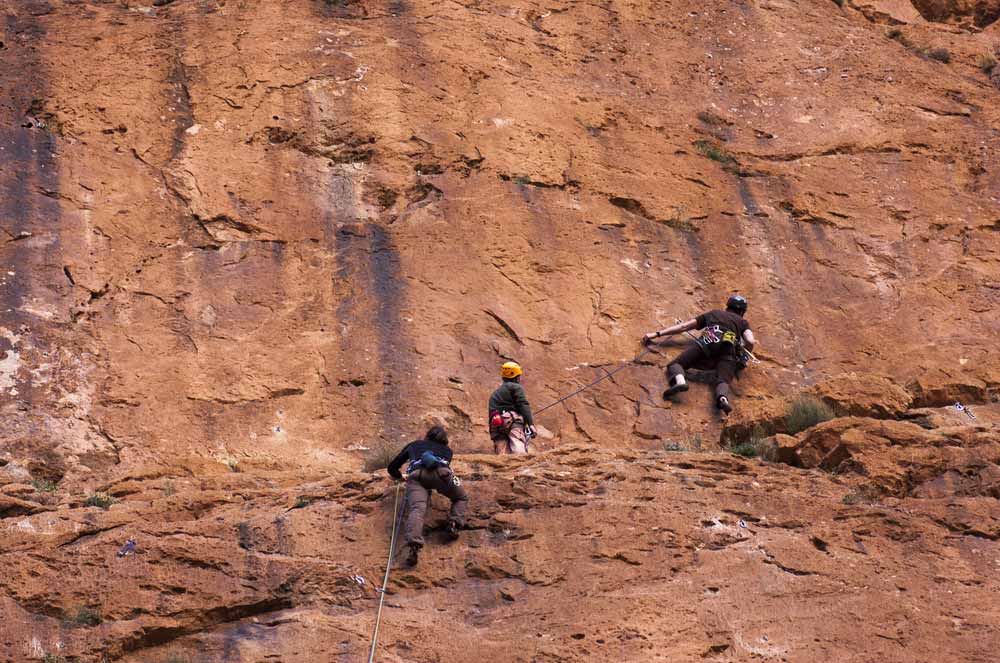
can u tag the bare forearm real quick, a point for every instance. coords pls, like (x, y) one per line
(678, 328)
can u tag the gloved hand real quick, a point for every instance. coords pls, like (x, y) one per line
(649, 338)
(531, 431)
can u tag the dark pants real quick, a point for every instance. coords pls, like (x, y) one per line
(419, 485)
(725, 366)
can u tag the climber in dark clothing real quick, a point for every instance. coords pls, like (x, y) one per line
(724, 337)
(429, 470)
(511, 423)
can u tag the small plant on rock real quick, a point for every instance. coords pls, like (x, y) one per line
(54, 658)
(939, 54)
(43, 485)
(861, 495)
(896, 34)
(84, 616)
(987, 63)
(101, 500)
(380, 455)
(745, 449)
(714, 152)
(805, 412)
(694, 442)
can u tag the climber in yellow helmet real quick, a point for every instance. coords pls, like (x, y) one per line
(511, 424)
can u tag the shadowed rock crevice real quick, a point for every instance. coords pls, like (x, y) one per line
(981, 12)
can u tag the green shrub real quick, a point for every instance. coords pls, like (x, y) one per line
(102, 500)
(805, 412)
(714, 152)
(381, 454)
(85, 617)
(861, 495)
(745, 449)
(54, 658)
(939, 54)
(43, 486)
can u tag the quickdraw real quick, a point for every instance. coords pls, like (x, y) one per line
(962, 408)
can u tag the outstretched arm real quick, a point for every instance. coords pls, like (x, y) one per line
(748, 340)
(670, 331)
(397, 463)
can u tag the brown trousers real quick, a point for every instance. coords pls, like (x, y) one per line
(515, 440)
(419, 485)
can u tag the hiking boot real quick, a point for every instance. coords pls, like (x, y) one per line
(413, 556)
(451, 530)
(724, 404)
(677, 385)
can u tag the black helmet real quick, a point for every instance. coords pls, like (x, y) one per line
(737, 304)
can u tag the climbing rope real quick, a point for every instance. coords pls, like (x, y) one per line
(607, 374)
(388, 567)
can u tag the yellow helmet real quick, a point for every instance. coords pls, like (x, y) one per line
(510, 370)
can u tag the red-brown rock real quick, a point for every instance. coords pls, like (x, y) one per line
(246, 244)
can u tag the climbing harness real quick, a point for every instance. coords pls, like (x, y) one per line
(745, 356)
(962, 408)
(127, 549)
(607, 374)
(428, 460)
(501, 424)
(388, 567)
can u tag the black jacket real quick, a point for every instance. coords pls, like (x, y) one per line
(413, 451)
(510, 397)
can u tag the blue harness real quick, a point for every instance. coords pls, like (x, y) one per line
(428, 461)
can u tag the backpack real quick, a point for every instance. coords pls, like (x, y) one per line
(428, 461)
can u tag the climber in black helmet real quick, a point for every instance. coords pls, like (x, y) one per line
(724, 336)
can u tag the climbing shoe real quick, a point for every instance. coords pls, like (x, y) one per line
(413, 556)
(677, 385)
(724, 404)
(451, 530)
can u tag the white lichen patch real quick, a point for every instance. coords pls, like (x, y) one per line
(10, 362)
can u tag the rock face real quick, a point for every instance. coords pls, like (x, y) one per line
(981, 12)
(244, 242)
(903, 458)
(574, 554)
